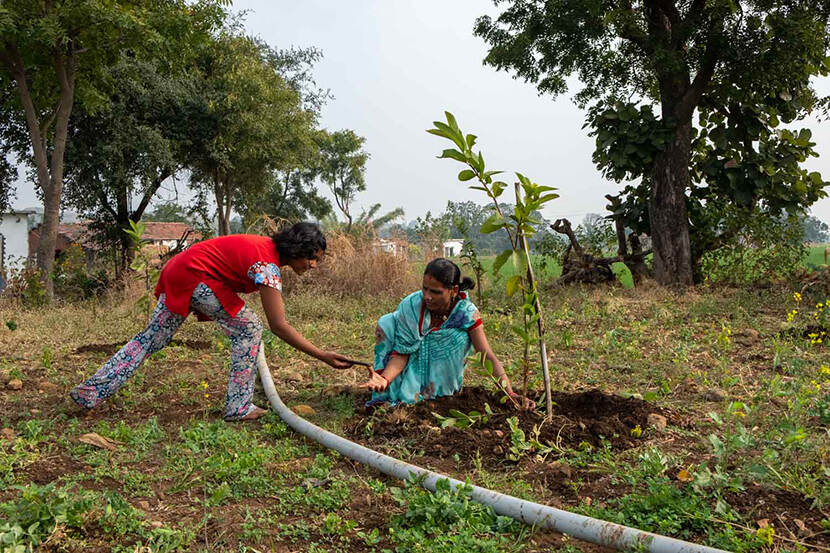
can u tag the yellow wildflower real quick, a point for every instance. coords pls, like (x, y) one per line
(797, 296)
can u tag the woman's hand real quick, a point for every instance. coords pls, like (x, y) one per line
(335, 360)
(521, 401)
(524, 402)
(376, 382)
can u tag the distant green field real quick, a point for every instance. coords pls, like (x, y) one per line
(548, 270)
(816, 255)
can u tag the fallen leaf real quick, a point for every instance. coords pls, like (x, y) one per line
(99, 441)
(802, 528)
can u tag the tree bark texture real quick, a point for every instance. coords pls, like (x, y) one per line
(667, 211)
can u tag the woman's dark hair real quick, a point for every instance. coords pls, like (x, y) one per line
(447, 273)
(299, 241)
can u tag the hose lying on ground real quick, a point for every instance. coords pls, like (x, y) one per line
(541, 516)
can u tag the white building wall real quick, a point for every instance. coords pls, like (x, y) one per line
(452, 248)
(15, 232)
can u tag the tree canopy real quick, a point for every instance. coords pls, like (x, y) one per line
(646, 68)
(261, 124)
(343, 167)
(56, 55)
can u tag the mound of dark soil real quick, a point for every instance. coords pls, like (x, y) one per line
(579, 418)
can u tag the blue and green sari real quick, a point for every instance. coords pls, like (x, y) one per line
(437, 356)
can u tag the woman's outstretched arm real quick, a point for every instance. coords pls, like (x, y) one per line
(275, 313)
(379, 380)
(481, 345)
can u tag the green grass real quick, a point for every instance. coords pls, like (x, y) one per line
(180, 479)
(816, 254)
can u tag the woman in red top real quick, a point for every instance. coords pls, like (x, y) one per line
(205, 279)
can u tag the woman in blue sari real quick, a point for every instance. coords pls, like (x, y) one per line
(422, 347)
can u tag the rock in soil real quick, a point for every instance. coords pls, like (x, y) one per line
(7, 434)
(292, 376)
(304, 410)
(46, 386)
(15, 384)
(713, 394)
(334, 391)
(657, 421)
(748, 337)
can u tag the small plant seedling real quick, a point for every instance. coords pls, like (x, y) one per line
(458, 419)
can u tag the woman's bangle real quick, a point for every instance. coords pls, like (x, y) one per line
(386, 379)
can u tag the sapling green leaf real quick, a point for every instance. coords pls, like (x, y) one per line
(513, 285)
(453, 154)
(466, 175)
(501, 259)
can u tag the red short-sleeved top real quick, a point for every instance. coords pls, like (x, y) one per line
(228, 265)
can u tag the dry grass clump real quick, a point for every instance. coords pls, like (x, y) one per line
(358, 268)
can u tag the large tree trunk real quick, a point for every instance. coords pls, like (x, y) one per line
(679, 96)
(667, 211)
(48, 164)
(122, 222)
(223, 206)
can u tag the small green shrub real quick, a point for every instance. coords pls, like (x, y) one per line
(33, 517)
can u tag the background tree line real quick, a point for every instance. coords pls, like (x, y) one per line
(103, 104)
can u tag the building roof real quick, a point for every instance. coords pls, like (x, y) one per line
(18, 212)
(79, 232)
(168, 231)
(73, 231)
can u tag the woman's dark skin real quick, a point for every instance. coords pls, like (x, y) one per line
(277, 322)
(440, 300)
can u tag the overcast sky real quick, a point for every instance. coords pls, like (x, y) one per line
(394, 66)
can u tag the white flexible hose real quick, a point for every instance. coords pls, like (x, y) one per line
(540, 516)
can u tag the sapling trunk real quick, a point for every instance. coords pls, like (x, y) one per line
(537, 308)
(536, 197)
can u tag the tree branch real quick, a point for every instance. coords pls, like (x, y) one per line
(563, 226)
(14, 62)
(105, 202)
(149, 193)
(691, 97)
(285, 189)
(670, 10)
(691, 21)
(631, 32)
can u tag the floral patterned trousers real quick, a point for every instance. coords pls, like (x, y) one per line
(244, 331)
